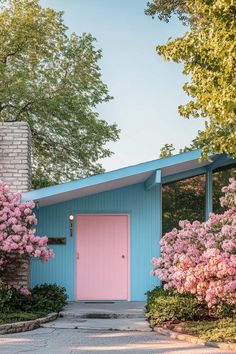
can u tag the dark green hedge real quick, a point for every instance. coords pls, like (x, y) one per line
(44, 299)
(165, 306)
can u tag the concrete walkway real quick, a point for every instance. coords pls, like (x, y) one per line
(98, 328)
(133, 309)
(118, 316)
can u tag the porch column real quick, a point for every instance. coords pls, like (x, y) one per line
(159, 211)
(155, 182)
(208, 200)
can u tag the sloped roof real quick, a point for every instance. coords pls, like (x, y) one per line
(172, 168)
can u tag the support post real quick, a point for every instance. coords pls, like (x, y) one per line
(208, 198)
(159, 223)
(153, 180)
(159, 211)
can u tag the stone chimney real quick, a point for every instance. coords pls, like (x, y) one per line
(15, 155)
(15, 171)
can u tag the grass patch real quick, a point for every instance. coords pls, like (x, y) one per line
(223, 330)
(15, 306)
(20, 316)
(184, 314)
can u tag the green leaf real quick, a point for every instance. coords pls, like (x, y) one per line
(53, 81)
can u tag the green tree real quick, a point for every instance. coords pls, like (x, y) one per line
(166, 150)
(208, 53)
(164, 9)
(53, 81)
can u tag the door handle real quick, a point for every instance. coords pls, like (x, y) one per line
(123, 256)
(77, 255)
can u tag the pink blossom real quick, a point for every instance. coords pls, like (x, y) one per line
(25, 291)
(16, 238)
(200, 258)
(16, 233)
(29, 248)
(37, 253)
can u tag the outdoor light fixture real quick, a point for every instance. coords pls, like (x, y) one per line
(71, 218)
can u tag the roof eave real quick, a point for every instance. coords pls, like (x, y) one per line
(124, 172)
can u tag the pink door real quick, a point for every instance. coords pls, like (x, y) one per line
(102, 257)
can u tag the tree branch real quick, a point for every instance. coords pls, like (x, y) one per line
(2, 107)
(23, 109)
(12, 54)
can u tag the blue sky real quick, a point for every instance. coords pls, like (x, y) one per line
(146, 90)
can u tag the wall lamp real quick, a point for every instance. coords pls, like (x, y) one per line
(71, 218)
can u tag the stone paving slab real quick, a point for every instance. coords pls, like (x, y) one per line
(125, 309)
(194, 339)
(71, 341)
(127, 324)
(126, 335)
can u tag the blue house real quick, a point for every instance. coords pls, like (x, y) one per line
(107, 227)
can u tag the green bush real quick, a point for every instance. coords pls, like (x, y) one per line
(48, 297)
(165, 306)
(12, 300)
(44, 298)
(224, 311)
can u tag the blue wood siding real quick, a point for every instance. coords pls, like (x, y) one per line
(143, 207)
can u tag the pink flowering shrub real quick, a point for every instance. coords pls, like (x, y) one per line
(17, 233)
(200, 258)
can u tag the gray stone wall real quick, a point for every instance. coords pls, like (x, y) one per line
(15, 155)
(17, 274)
(15, 171)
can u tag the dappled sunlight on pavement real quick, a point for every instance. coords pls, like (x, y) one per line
(74, 341)
(14, 340)
(137, 347)
(138, 343)
(111, 335)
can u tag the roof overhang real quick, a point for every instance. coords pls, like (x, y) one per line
(171, 169)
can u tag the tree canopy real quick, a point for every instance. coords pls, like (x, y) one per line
(166, 150)
(208, 53)
(53, 81)
(165, 9)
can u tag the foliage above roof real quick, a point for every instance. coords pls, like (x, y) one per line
(53, 81)
(208, 53)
